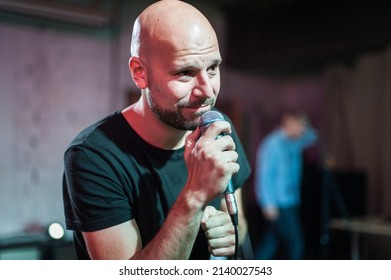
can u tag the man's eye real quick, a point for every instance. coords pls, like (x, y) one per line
(214, 68)
(186, 73)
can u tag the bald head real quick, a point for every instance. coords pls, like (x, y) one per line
(173, 24)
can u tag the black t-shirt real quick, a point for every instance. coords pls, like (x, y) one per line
(112, 176)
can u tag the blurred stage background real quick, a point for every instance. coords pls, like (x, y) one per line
(63, 65)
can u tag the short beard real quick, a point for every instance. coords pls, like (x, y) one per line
(175, 118)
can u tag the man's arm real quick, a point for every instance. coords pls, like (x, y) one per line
(308, 138)
(265, 178)
(174, 240)
(266, 174)
(124, 241)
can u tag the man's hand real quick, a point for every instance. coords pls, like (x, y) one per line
(219, 231)
(271, 213)
(210, 161)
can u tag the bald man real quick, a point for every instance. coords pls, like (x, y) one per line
(143, 183)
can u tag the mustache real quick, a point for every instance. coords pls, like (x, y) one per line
(199, 103)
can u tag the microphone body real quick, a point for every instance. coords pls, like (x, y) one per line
(206, 119)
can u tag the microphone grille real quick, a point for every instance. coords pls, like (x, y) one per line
(209, 117)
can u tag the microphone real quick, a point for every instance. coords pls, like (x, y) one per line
(206, 119)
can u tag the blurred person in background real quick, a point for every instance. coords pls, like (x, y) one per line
(278, 174)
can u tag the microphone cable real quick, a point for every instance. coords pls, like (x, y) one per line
(236, 242)
(233, 213)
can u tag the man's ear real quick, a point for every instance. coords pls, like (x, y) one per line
(137, 70)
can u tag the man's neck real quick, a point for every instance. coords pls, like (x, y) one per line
(153, 130)
(286, 132)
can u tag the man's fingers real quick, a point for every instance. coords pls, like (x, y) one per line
(208, 212)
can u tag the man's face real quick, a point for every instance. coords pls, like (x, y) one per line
(183, 82)
(297, 127)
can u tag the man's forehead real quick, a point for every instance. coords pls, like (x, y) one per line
(197, 60)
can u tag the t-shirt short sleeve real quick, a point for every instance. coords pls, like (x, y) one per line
(94, 195)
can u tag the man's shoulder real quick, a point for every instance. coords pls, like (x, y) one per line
(273, 137)
(97, 131)
(272, 141)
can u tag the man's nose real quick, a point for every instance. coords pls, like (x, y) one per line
(203, 87)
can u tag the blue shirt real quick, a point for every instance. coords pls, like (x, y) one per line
(279, 167)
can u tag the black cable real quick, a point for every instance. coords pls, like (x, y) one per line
(236, 242)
